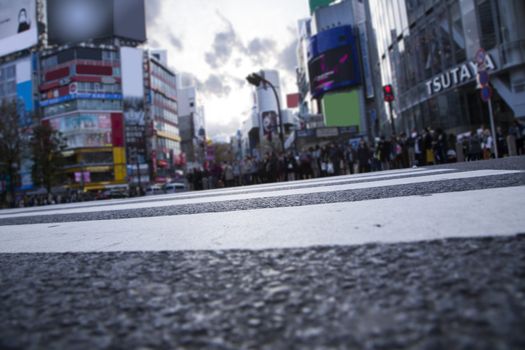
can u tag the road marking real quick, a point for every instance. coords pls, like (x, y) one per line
(276, 193)
(235, 190)
(489, 212)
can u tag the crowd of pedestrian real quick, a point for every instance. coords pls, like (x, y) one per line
(420, 148)
(26, 200)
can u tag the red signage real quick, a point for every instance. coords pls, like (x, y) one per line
(292, 100)
(117, 129)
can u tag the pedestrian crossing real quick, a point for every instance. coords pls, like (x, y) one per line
(291, 223)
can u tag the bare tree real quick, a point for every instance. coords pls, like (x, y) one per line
(11, 145)
(47, 146)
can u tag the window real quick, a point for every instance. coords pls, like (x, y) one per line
(486, 24)
(458, 35)
(10, 72)
(10, 87)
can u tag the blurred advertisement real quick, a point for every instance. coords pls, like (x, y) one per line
(130, 19)
(18, 27)
(71, 21)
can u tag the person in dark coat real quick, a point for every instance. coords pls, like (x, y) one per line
(363, 156)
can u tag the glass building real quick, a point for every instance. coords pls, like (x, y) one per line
(427, 51)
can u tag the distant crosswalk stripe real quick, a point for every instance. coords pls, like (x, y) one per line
(412, 218)
(235, 190)
(273, 193)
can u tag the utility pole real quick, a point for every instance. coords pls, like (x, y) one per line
(389, 97)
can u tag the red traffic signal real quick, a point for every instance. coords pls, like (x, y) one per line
(388, 93)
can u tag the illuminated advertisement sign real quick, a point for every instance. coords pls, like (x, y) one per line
(333, 61)
(84, 130)
(81, 96)
(18, 26)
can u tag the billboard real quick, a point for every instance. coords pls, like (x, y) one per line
(84, 130)
(333, 61)
(18, 25)
(129, 19)
(332, 70)
(132, 63)
(72, 21)
(269, 123)
(16, 84)
(293, 100)
(342, 109)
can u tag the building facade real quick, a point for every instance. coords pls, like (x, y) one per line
(428, 53)
(81, 97)
(335, 73)
(261, 129)
(115, 103)
(192, 127)
(166, 152)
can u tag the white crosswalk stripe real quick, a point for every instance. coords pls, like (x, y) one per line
(218, 192)
(275, 192)
(399, 219)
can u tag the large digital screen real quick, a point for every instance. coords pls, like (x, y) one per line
(334, 69)
(72, 21)
(18, 26)
(84, 130)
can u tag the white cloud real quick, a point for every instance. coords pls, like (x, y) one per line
(219, 42)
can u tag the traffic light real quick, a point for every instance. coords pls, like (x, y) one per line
(388, 92)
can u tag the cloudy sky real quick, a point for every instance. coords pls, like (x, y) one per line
(217, 43)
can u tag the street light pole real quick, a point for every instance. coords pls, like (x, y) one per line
(392, 118)
(138, 164)
(256, 80)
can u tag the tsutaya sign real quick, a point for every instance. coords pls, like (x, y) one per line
(457, 75)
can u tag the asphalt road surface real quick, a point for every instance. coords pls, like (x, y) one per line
(427, 258)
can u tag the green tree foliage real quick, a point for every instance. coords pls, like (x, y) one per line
(47, 146)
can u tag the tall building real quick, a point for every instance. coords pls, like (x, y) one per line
(334, 74)
(192, 126)
(116, 104)
(85, 93)
(81, 97)
(263, 121)
(19, 42)
(304, 32)
(428, 53)
(167, 156)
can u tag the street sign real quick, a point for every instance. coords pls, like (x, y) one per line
(483, 78)
(486, 93)
(481, 56)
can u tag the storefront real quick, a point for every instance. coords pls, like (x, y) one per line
(427, 51)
